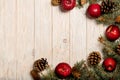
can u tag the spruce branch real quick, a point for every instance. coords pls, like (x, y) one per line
(108, 46)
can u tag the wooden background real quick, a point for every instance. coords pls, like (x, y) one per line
(32, 29)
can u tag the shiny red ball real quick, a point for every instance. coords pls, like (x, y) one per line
(112, 32)
(63, 70)
(94, 10)
(109, 64)
(68, 4)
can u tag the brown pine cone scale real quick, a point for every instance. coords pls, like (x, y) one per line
(94, 58)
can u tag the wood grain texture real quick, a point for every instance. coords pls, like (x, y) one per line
(78, 35)
(43, 30)
(93, 32)
(61, 36)
(32, 29)
(25, 38)
(8, 39)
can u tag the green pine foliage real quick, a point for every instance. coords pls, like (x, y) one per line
(93, 72)
(96, 72)
(106, 19)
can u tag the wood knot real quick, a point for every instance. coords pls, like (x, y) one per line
(64, 40)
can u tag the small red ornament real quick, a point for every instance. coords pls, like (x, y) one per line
(68, 4)
(94, 10)
(112, 32)
(63, 70)
(109, 64)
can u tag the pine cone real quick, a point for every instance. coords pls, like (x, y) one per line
(76, 73)
(40, 65)
(107, 6)
(56, 2)
(35, 75)
(118, 49)
(94, 58)
(82, 2)
(117, 19)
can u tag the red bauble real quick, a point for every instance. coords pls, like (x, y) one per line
(109, 64)
(94, 10)
(63, 70)
(68, 4)
(112, 32)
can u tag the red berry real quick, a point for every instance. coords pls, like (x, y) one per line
(68, 4)
(109, 64)
(112, 32)
(63, 70)
(94, 10)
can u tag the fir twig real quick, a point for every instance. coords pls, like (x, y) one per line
(108, 46)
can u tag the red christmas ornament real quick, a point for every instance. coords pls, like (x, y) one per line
(94, 10)
(109, 64)
(63, 70)
(112, 32)
(68, 4)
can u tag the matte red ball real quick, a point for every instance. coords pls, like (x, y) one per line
(112, 32)
(63, 70)
(94, 10)
(109, 64)
(68, 4)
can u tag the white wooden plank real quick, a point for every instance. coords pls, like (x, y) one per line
(25, 38)
(8, 39)
(2, 41)
(32, 29)
(43, 30)
(61, 36)
(94, 31)
(78, 35)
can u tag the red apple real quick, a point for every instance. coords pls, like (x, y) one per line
(109, 64)
(63, 70)
(94, 10)
(68, 4)
(112, 32)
